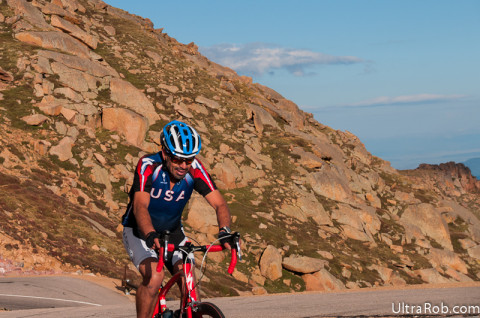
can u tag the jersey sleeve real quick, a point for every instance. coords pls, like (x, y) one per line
(203, 183)
(142, 180)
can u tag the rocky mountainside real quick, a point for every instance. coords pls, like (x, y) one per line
(84, 91)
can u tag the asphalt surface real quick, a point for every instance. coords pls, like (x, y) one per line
(55, 296)
(72, 297)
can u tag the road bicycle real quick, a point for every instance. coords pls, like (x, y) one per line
(190, 306)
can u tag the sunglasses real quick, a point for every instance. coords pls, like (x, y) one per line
(179, 161)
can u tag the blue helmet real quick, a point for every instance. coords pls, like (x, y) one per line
(180, 140)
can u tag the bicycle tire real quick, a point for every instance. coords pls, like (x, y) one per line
(208, 310)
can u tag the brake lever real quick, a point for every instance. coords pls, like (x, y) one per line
(239, 252)
(237, 245)
(165, 244)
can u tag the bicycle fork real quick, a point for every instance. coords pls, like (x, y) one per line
(189, 297)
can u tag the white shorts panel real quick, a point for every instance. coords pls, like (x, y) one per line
(138, 251)
(136, 248)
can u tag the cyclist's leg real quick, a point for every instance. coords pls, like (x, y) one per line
(145, 260)
(147, 292)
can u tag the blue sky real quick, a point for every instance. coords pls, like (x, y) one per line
(404, 76)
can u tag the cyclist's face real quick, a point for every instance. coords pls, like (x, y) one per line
(178, 167)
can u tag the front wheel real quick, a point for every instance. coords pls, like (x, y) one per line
(207, 310)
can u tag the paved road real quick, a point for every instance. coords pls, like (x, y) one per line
(54, 296)
(70, 297)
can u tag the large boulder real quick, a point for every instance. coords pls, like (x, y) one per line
(30, 13)
(74, 31)
(75, 79)
(35, 120)
(388, 275)
(126, 94)
(308, 203)
(291, 113)
(431, 276)
(86, 65)
(64, 149)
(303, 264)
(271, 263)
(322, 281)
(261, 117)
(414, 234)
(56, 40)
(442, 258)
(53, 9)
(359, 224)
(126, 122)
(430, 222)
(307, 159)
(227, 173)
(330, 183)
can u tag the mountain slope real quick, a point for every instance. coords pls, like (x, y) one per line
(85, 89)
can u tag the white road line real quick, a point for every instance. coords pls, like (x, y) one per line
(47, 298)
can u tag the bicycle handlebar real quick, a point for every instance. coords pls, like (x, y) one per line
(233, 240)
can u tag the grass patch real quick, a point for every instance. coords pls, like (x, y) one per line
(425, 196)
(118, 193)
(107, 54)
(67, 165)
(15, 110)
(419, 261)
(14, 150)
(278, 285)
(458, 230)
(396, 182)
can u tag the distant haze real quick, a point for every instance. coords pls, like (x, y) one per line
(474, 165)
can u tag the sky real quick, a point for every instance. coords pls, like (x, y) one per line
(403, 76)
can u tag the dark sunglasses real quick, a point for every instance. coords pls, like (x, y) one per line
(179, 161)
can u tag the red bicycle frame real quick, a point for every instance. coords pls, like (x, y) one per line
(189, 297)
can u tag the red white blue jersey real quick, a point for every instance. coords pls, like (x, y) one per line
(166, 205)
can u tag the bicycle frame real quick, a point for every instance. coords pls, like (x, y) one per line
(189, 296)
(186, 277)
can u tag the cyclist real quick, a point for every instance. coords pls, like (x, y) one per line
(163, 184)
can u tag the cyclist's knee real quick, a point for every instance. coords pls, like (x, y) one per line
(148, 270)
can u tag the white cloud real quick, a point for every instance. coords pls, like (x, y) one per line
(259, 58)
(408, 99)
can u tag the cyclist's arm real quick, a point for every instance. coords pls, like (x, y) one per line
(216, 200)
(140, 209)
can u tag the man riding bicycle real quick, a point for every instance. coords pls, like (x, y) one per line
(163, 184)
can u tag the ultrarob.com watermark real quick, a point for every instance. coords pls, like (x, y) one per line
(402, 308)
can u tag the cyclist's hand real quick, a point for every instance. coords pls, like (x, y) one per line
(224, 237)
(153, 240)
